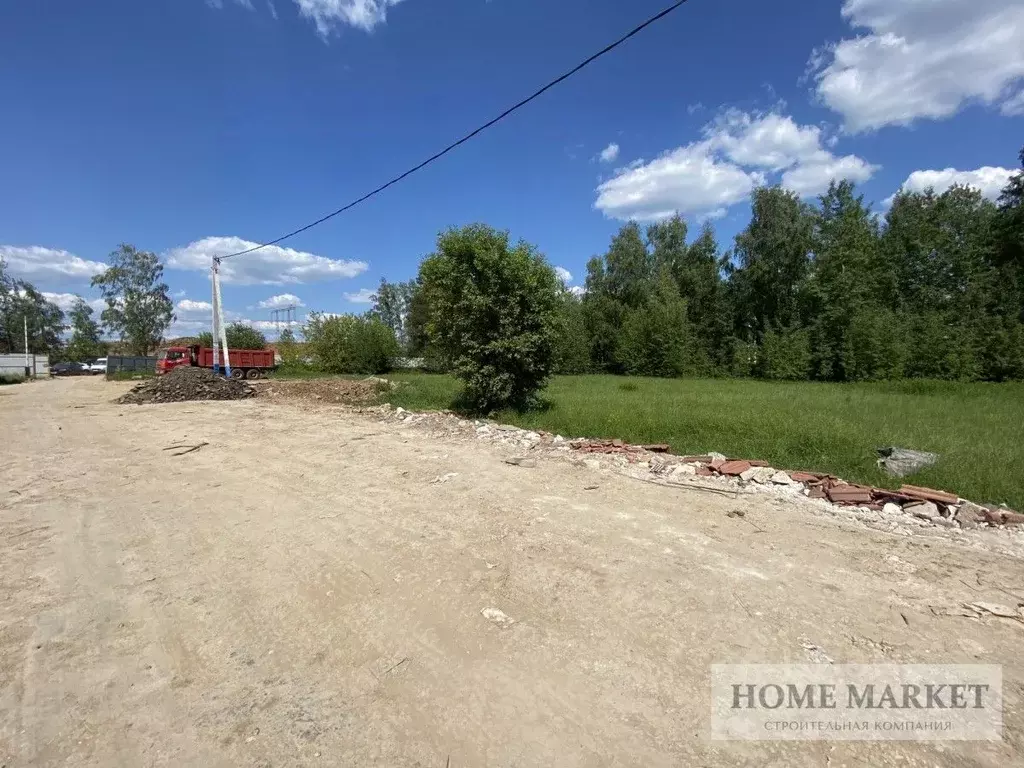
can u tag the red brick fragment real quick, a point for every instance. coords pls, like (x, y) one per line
(735, 467)
(849, 494)
(929, 494)
(717, 464)
(697, 460)
(758, 463)
(816, 492)
(807, 477)
(1013, 518)
(705, 472)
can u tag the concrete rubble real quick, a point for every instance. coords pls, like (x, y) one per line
(892, 510)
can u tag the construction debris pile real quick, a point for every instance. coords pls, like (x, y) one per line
(184, 384)
(331, 391)
(936, 507)
(906, 508)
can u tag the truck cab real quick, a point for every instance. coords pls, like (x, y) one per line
(172, 357)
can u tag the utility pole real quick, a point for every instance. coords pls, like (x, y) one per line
(28, 368)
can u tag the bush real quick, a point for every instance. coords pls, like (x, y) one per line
(493, 314)
(571, 343)
(785, 354)
(11, 378)
(873, 347)
(656, 339)
(350, 344)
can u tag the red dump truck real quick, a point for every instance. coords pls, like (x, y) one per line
(245, 363)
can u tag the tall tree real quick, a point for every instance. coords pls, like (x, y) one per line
(772, 260)
(85, 341)
(20, 302)
(628, 268)
(698, 273)
(843, 281)
(391, 304)
(139, 307)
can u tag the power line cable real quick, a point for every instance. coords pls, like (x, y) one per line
(607, 49)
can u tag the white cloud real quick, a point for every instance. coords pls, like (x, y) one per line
(685, 180)
(577, 290)
(563, 274)
(67, 300)
(36, 263)
(609, 154)
(921, 59)
(281, 301)
(329, 15)
(273, 265)
(988, 180)
(188, 306)
(813, 175)
(737, 153)
(362, 296)
(769, 141)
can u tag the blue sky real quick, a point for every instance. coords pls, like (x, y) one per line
(188, 127)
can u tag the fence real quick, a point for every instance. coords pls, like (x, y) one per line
(15, 364)
(117, 363)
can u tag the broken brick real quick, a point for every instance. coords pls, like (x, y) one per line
(929, 494)
(757, 463)
(816, 492)
(705, 472)
(734, 467)
(697, 459)
(806, 477)
(849, 494)
(1013, 518)
(717, 464)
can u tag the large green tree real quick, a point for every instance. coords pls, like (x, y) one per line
(493, 315)
(772, 259)
(21, 302)
(392, 304)
(139, 307)
(85, 343)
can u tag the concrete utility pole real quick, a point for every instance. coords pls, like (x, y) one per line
(28, 368)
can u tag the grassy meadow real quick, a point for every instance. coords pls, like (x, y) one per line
(977, 428)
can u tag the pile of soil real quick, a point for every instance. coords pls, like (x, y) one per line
(338, 391)
(183, 384)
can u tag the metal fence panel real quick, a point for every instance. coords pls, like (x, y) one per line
(117, 363)
(40, 364)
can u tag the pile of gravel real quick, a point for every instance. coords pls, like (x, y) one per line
(185, 383)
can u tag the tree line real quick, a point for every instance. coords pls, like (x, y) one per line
(138, 311)
(829, 291)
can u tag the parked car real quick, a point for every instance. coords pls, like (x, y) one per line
(70, 369)
(99, 366)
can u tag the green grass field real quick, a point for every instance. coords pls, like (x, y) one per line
(977, 428)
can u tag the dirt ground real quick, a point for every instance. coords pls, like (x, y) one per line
(300, 592)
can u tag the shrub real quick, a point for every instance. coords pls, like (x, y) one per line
(656, 338)
(350, 344)
(11, 378)
(492, 314)
(785, 354)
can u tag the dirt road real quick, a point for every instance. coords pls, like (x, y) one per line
(299, 592)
